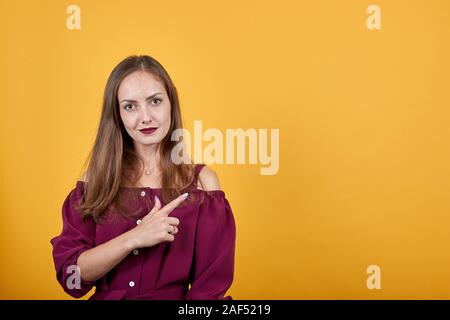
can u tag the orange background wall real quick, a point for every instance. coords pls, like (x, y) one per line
(363, 115)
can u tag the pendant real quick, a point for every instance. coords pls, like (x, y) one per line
(147, 173)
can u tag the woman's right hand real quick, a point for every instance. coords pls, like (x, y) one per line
(157, 226)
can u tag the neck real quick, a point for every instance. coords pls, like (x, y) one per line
(148, 153)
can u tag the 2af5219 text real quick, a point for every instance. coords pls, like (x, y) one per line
(225, 309)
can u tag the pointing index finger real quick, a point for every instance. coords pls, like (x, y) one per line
(168, 208)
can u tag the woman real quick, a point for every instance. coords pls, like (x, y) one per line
(137, 225)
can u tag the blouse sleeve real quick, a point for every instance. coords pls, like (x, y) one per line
(213, 262)
(76, 237)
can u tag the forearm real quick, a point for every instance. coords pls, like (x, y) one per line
(98, 261)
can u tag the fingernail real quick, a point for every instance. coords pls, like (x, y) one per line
(185, 195)
(156, 198)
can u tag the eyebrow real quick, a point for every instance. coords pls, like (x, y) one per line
(148, 98)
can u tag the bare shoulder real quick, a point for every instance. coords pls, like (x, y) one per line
(208, 179)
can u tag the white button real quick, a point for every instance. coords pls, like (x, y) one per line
(135, 252)
(138, 221)
(131, 283)
(143, 193)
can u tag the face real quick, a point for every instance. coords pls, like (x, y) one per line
(143, 103)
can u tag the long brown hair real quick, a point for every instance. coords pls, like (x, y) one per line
(113, 160)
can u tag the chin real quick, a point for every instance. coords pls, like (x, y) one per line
(149, 140)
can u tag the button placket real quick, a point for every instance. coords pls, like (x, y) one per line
(132, 284)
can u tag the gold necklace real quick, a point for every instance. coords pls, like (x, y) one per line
(148, 172)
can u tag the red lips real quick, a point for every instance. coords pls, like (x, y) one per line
(148, 130)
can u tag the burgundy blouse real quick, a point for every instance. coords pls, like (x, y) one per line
(202, 254)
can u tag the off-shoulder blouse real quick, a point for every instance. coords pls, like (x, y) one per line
(201, 256)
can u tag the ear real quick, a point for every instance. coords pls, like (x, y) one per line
(208, 179)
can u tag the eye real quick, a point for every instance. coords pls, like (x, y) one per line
(126, 107)
(156, 101)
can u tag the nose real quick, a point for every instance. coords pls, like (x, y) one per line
(146, 116)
